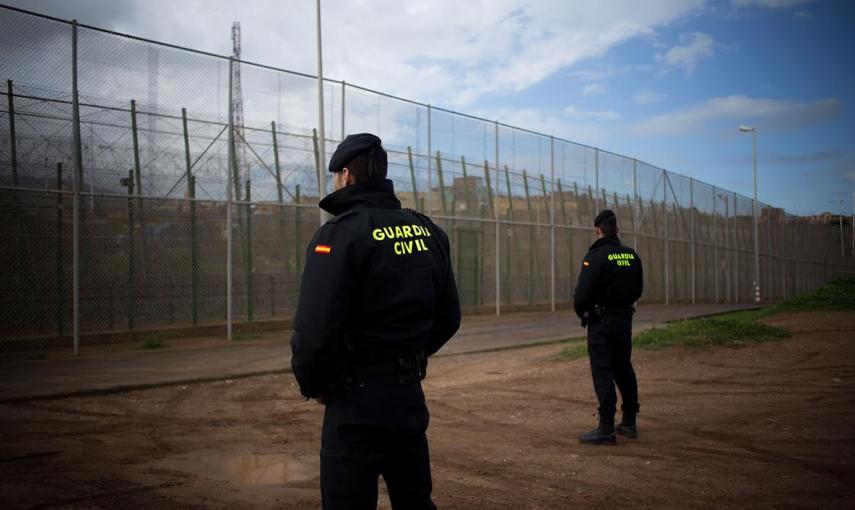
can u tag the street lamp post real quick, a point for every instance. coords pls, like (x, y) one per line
(748, 129)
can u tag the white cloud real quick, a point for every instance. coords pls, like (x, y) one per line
(696, 47)
(594, 89)
(734, 110)
(445, 52)
(771, 4)
(575, 113)
(647, 96)
(591, 75)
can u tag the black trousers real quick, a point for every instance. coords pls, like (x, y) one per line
(374, 428)
(610, 350)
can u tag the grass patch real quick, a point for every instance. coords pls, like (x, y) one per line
(838, 294)
(574, 348)
(734, 329)
(151, 343)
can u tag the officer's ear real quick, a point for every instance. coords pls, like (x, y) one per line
(347, 177)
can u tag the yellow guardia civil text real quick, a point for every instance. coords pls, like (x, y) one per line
(412, 238)
(621, 259)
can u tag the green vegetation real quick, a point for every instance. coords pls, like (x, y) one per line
(574, 348)
(838, 294)
(152, 343)
(734, 329)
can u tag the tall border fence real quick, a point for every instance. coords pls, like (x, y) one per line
(148, 189)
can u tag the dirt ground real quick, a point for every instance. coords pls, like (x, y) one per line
(764, 426)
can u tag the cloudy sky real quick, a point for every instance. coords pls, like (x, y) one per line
(666, 81)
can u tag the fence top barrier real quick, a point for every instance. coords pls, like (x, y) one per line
(362, 88)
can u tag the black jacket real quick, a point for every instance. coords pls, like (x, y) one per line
(377, 286)
(611, 275)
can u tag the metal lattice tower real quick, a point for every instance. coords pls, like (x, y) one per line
(241, 169)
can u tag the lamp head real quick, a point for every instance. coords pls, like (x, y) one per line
(746, 129)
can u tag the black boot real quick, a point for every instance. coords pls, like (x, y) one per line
(603, 434)
(627, 427)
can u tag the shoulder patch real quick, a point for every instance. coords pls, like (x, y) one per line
(343, 215)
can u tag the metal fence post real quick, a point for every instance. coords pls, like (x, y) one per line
(782, 257)
(552, 220)
(191, 195)
(232, 170)
(510, 216)
(635, 225)
(667, 238)
(466, 197)
(297, 223)
(597, 179)
(496, 218)
(694, 245)
(78, 171)
(194, 254)
(566, 222)
(131, 275)
(429, 164)
(736, 250)
(413, 178)
(138, 184)
(343, 110)
(60, 264)
(531, 252)
(280, 199)
(13, 154)
(247, 264)
(322, 137)
(716, 265)
(13, 144)
(440, 185)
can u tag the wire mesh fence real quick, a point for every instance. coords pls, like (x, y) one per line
(184, 192)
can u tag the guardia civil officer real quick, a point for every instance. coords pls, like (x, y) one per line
(378, 297)
(610, 282)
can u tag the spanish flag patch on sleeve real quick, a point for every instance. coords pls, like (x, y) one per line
(323, 249)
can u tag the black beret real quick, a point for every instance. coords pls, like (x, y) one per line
(352, 146)
(604, 215)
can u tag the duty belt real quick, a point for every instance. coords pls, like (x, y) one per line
(603, 310)
(403, 369)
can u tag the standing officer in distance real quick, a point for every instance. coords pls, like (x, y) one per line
(377, 298)
(609, 284)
